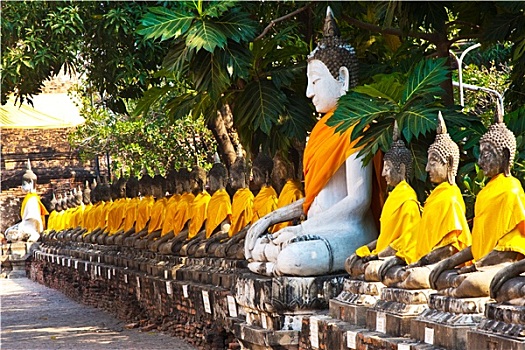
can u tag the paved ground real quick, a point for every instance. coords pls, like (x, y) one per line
(36, 317)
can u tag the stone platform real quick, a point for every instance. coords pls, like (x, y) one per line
(352, 304)
(502, 328)
(14, 258)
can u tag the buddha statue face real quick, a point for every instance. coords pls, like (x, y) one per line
(323, 88)
(497, 148)
(437, 168)
(490, 160)
(217, 177)
(262, 168)
(391, 174)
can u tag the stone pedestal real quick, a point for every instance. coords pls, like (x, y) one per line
(393, 313)
(447, 321)
(352, 304)
(275, 307)
(13, 258)
(502, 328)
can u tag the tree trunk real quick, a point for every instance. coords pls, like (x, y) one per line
(225, 136)
(443, 50)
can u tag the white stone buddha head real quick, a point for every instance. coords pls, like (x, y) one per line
(332, 68)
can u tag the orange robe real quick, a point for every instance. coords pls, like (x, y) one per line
(144, 212)
(130, 215)
(242, 210)
(324, 154)
(219, 209)
(182, 215)
(157, 215)
(116, 214)
(289, 194)
(198, 211)
(169, 215)
(265, 202)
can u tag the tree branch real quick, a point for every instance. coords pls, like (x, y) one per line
(392, 31)
(275, 21)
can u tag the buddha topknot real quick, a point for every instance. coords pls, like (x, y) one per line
(444, 146)
(398, 154)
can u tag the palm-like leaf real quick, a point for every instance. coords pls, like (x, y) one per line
(425, 80)
(259, 106)
(412, 102)
(207, 35)
(237, 26)
(164, 23)
(209, 73)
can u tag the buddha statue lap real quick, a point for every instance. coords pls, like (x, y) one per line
(443, 229)
(338, 188)
(399, 220)
(498, 235)
(32, 212)
(508, 284)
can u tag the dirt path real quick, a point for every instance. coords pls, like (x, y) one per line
(36, 317)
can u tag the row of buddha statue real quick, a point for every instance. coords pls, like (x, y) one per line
(334, 229)
(432, 246)
(196, 220)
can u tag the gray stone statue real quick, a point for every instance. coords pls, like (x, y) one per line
(498, 233)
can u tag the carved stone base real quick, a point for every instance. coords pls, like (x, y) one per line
(503, 327)
(447, 321)
(352, 303)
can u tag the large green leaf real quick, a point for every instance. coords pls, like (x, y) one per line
(178, 58)
(259, 106)
(355, 108)
(237, 26)
(298, 117)
(164, 23)
(215, 9)
(151, 96)
(418, 120)
(238, 60)
(207, 35)
(425, 79)
(386, 86)
(209, 73)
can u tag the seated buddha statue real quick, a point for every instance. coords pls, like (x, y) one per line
(129, 210)
(498, 232)
(197, 211)
(242, 211)
(338, 188)
(399, 219)
(86, 201)
(32, 212)
(218, 214)
(443, 229)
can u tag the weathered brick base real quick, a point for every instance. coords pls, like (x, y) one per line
(142, 300)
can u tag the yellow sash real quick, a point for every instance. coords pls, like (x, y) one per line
(265, 202)
(242, 210)
(43, 210)
(443, 221)
(219, 209)
(198, 211)
(400, 218)
(499, 221)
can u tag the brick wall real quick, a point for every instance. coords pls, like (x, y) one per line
(56, 164)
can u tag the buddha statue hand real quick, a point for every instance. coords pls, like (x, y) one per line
(285, 235)
(389, 263)
(256, 231)
(448, 264)
(505, 274)
(369, 258)
(467, 269)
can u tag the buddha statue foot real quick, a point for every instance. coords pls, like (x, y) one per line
(262, 268)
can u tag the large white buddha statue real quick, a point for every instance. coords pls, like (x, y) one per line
(338, 187)
(32, 212)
